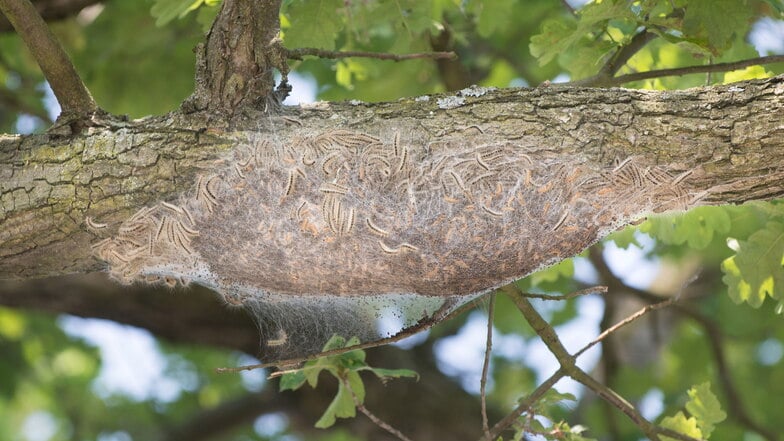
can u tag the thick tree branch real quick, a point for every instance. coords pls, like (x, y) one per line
(71, 93)
(731, 136)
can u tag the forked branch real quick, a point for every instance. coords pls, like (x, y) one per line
(568, 368)
(71, 93)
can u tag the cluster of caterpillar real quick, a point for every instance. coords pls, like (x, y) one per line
(343, 214)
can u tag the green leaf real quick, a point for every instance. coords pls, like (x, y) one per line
(716, 22)
(334, 342)
(756, 270)
(314, 23)
(385, 374)
(625, 238)
(705, 407)
(563, 269)
(697, 227)
(556, 36)
(292, 380)
(491, 17)
(342, 406)
(679, 423)
(165, 11)
(562, 35)
(206, 15)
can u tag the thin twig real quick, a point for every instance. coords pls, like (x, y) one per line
(524, 406)
(571, 295)
(624, 53)
(71, 93)
(678, 71)
(298, 54)
(540, 326)
(486, 365)
(712, 331)
(376, 420)
(625, 322)
(568, 367)
(439, 316)
(616, 400)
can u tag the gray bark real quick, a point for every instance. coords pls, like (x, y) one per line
(729, 137)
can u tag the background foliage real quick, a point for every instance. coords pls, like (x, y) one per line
(136, 58)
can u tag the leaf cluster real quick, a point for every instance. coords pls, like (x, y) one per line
(345, 368)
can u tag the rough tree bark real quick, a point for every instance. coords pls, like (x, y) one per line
(51, 183)
(723, 144)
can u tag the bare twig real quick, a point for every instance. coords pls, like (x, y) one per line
(71, 93)
(625, 322)
(570, 369)
(525, 404)
(298, 54)
(486, 365)
(376, 420)
(678, 71)
(571, 295)
(712, 331)
(617, 401)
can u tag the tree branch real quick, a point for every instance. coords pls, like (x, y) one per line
(625, 322)
(524, 406)
(737, 408)
(438, 317)
(71, 93)
(234, 69)
(678, 71)
(376, 420)
(571, 295)
(619, 59)
(738, 157)
(486, 364)
(52, 10)
(298, 54)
